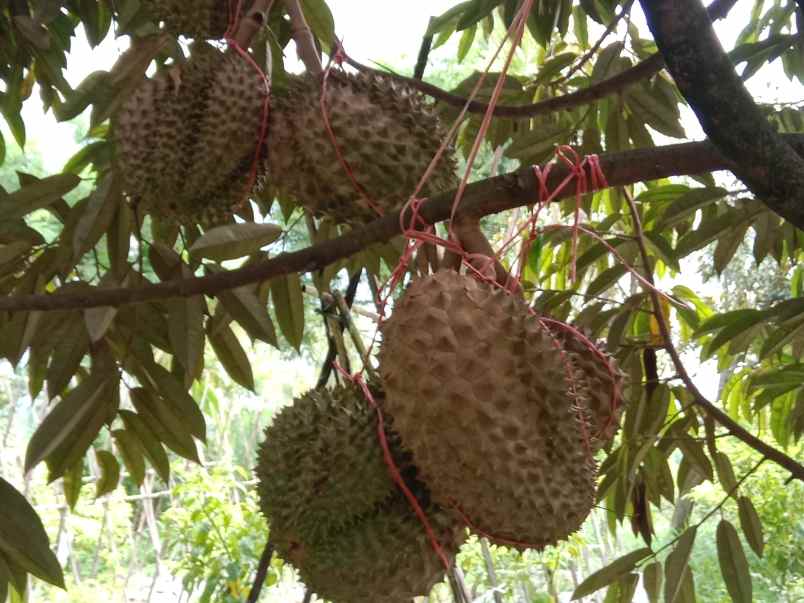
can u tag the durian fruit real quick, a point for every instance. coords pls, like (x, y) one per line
(201, 19)
(321, 454)
(386, 133)
(334, 512)
(601, 382)
(186, 139)
(479, 393)
(386, 556)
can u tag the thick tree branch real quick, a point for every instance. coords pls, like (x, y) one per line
(705, 76)
(795, 468)
(482, 198)
(639, 72)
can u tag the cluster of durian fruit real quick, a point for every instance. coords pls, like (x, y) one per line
(492, 418)
(189, 140)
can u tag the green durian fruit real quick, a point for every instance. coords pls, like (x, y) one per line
(201, 19)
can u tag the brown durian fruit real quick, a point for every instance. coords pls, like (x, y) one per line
(601, 382)
(200, 19)
(386, 132)
(334, 512)
(186, 139)
(479, 393)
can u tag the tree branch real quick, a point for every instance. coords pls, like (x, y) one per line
(303, 36)
(777, 456)
(252, 22)
(641, 71)
(482, 198)
(262, 572)
(705, 76)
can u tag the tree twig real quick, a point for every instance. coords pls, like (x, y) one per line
(777, 456)
(262, 572)
(252, 22)
(303, 36)
(424, 54)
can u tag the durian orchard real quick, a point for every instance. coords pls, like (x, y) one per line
(521, 371)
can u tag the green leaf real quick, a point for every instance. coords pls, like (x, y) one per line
(745, 318)
(243, 305)
(607, 63)
(751, 524)
(165, 422)
(23, 539)
(151, 446)
(656, 114)
(81, 97)
(288, 301)
(234, 241)
(72, 343)
(676, 565)
(727, 245)
(725, 474)
(232, 355)
(186, 333)
(614, 571)
(5, 578)
(130, 449)
(694, 453)
(733, 564)
(181, 403)
(72, 482)
(109, 473)
(97, 216)
(36, 195)
(652, 581)
(76, 418)
(688, 203)
(320, 20)
(606, 279)
(465, 44)
(447, 20)
(475, 11)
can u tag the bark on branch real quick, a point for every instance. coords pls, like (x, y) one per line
(482, 198)
(769, 166)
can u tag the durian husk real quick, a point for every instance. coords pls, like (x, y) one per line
(386, 132)
(480, 394)
(321, 454)
(334, 512)
(386, 556)
(601, 382)
(186, 139)
(200, 19)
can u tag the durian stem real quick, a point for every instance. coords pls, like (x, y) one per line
(354, 333)
(252, 22)
(467, 229)
(303, 36)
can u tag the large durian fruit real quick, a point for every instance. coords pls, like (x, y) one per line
(334, 512)
(386, 132)
(480, 393)
(201, 19)
(186, 139)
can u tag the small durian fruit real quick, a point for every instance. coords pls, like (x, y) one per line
(602, 383)
(385, 556)
(479, 393)
(321, 465)
(200, 19)
(334, 512)
(386, 132)
(186, 139)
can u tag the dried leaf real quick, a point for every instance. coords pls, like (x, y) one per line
(234, 241)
